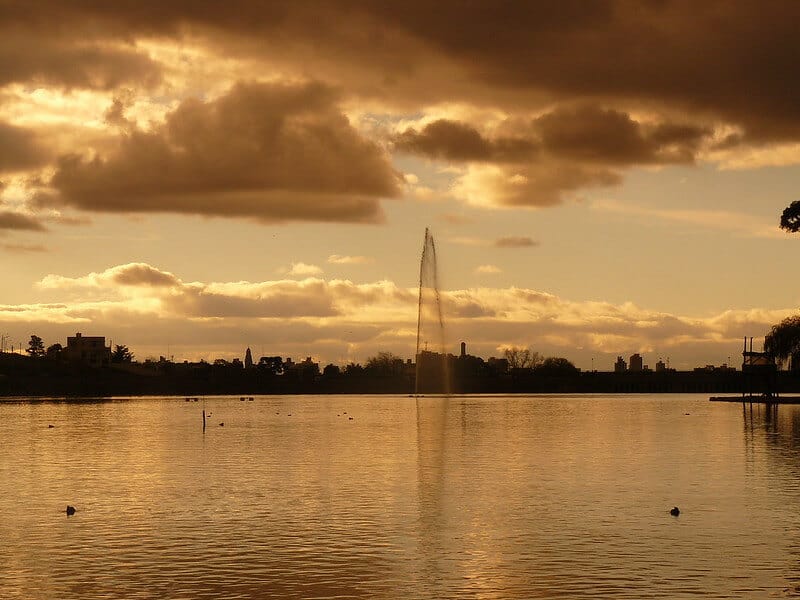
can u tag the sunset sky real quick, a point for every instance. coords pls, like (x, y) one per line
(601, 178)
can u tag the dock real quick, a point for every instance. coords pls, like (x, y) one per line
(757, 399)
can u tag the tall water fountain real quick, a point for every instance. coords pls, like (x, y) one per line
(432, 372)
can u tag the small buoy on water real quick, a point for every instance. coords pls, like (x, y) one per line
(222, 424)
(70, 510)
(50, 426)
(675, 511)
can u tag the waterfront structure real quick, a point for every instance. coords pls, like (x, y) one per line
(88, 350)
(620, 366)
(635, 363)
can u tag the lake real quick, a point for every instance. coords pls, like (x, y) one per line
(395, 497)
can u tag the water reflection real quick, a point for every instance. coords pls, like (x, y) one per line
(502, 497)
(772, 438)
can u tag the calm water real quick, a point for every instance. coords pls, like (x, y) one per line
(471, 497)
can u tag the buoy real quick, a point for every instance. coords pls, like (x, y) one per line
(50, 426)
(70, 510)
(675, 511)
(222, 424)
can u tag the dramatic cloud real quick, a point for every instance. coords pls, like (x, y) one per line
(607, 136)
(19, 221)
(132, 274)
(528, 186)
(561, 151)
(456, 141)
(141, 304)
(674, 53)
(19, 149)
(266, 151)
(70, 61)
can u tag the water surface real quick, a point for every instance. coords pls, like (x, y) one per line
(467, 497)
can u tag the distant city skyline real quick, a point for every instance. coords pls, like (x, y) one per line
(601, 179)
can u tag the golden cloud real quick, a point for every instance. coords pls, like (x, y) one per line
(271, 152)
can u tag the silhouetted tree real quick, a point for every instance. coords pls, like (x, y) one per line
(331, 371)
(35, 347)
(121, 354)
(271, 364)
(555, 365)
(783, 341)
(353, 369)
(54, 352)
(522, 358)
(790, 219)
(385, 363)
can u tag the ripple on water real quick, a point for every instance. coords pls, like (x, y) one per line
(557, 497)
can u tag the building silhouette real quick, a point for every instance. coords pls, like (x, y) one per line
(635, 363)
(620, 366)
(88, 350)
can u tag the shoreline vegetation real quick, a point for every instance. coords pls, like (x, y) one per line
(25, 376)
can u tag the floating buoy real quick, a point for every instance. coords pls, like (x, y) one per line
(70, 510)
(50, 426)
(675, 511)
(222, 424)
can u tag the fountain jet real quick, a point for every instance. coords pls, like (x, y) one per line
(432, 372)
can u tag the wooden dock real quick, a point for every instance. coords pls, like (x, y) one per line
(757, 399)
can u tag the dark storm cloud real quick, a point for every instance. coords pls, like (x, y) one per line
(453, 140)
(266, 151)
(584, 134)
(19, 149)
(733, 61)
(724, 60)
(66, 58)
(595, 134)
(558, 152)
(17, 221)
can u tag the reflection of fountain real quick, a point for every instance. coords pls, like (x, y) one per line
(432, 372)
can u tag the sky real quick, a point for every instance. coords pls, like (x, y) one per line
(601, 178)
